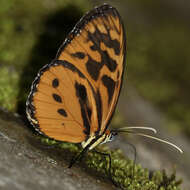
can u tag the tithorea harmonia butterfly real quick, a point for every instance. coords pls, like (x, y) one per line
(74, 97)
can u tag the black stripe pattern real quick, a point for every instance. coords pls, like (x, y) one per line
(85, 109)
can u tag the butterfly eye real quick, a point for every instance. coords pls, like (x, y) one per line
(112, 135)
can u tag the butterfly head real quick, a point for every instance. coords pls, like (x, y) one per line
(109, 136)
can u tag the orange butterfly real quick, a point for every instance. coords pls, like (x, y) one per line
(74, 97)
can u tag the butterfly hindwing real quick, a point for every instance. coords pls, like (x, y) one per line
(61, 98)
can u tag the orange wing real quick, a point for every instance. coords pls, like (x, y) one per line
(75, 96)
(60, 103)
(97, 47)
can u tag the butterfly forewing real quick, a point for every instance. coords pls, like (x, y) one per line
(96, 47)
(75, 96)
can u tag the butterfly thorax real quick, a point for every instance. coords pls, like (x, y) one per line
(94, 140)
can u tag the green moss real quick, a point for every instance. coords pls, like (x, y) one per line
(8, 87)
(124, 172)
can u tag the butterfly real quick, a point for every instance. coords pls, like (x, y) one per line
(73, 98)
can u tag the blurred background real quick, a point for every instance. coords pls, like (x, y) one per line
(156, 87)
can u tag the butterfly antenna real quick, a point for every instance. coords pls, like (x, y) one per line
(160, 140)
(130, 130)
(126, 129)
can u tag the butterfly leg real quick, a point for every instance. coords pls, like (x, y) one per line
(109, 169)
(134, 159)
(78, 157)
